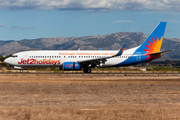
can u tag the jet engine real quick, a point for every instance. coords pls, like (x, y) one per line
(71, 66)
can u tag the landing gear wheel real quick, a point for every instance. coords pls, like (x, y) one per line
(87, 70)
(21, 70)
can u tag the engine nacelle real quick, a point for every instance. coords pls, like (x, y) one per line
(71, 66)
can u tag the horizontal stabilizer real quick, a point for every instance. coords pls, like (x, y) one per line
(160, 52)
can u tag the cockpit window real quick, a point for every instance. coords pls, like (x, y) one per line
(14, 56)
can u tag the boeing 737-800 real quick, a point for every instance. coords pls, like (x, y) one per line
(87, 59)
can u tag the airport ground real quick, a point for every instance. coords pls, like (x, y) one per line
(89, 97)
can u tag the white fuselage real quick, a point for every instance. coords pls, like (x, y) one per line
(56, 58)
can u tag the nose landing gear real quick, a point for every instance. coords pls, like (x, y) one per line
(21, 70)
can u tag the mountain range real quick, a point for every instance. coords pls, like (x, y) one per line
(113, 41)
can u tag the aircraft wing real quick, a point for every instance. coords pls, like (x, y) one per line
(96, 62)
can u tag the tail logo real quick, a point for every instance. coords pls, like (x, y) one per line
(154, 46)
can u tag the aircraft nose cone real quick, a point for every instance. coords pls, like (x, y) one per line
(7, 60)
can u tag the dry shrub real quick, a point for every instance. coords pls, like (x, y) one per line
(4, 69)
(48, 69)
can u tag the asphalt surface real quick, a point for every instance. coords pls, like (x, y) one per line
(104, 74)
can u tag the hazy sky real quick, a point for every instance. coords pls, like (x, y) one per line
(31, 19)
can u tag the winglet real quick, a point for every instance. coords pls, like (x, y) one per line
(121, 51)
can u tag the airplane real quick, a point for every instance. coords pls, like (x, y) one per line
(87, 59)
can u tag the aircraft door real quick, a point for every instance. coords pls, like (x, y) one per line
(25, 55)
(138, 57)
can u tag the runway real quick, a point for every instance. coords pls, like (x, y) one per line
(92, 74)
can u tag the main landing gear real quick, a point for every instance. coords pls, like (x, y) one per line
(87, 70)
